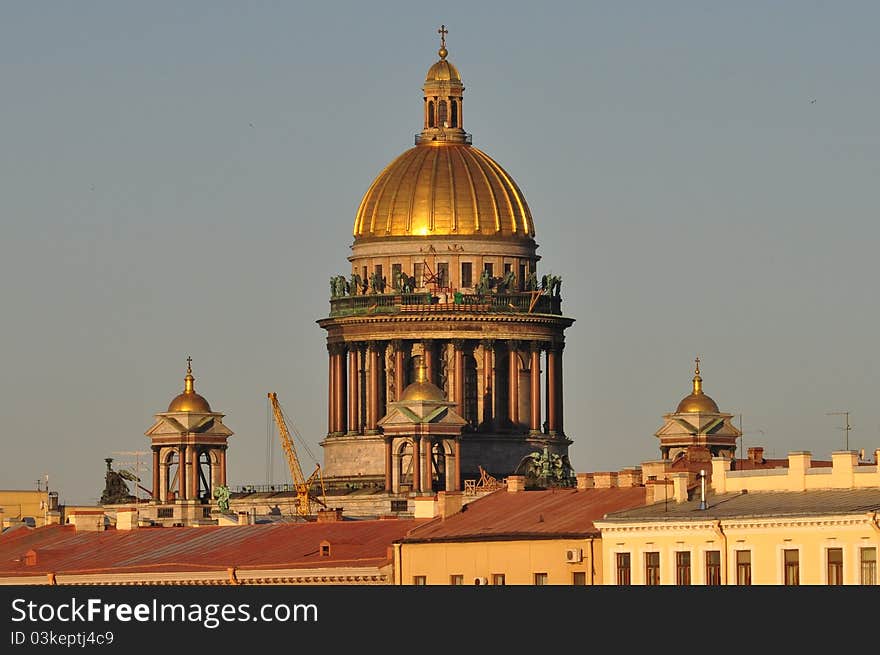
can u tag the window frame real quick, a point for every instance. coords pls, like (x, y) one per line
(652, 568)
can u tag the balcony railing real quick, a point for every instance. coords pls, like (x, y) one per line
(410, 303)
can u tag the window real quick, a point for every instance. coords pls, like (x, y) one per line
(443, 274)
(420, 580)
(868, 561)
(456, 579)
(508, 267)
(792, 566)
(579, 578)
(540, 579)
(498, 579)
(652, 568)
(713, 567)
(453, 108)
(441, 114)
(489, 268)
(467, 274)
(683, 568)
(378, 271)
(206, 512)
(431, 113)
(419, 274)
(398, 505)
(325, 550)
(835, 565)
(744, 567)
(396, 270)
(623, 569)
(165, 513)
(521, 281)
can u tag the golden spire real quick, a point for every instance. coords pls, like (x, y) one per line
(443, 51)
(698, 381)
(421, 371)
(188, 386)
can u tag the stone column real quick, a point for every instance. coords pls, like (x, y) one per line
(155, 474)
(513, 384)
(395, 473)
(222, 457)
(551, 390)
(457, 482)
(373, 390)
(535, 388)
(488, 379)
(331, 383)
(354, 392)
(427, 473)
(458, 373)
(388, 465)
(560, 414)
(448, 468)
(164, 481)
(181, 473)
(341, 418)
(428, 347)
(194, 473)
(416, 465)
(399, 374)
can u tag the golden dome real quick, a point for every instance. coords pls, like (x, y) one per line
(422, 389)
(697, 402)
(443, 71)
(189, 400)
(443, 188)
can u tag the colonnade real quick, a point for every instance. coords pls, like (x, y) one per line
(187, 457)
(363, 376)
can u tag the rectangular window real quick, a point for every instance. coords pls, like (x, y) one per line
(489, 268)
(521, 280)
(508, 267)
(498, 579)
(165, 513)
(623, 569)
(456, 579)
(835, 565)
(540, 579)
(791, 559)
(398, 505)
(396, 270)
(579, 578)
(443, 274)
(420, 580)
(868, 564)
(365, 279)
(652, 568)
(378, 270)
(467, 274)
(419, 274)
(683, 568)
(743, 567)
(713, 567)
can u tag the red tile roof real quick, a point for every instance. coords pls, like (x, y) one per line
(61, 549)
(530, 514)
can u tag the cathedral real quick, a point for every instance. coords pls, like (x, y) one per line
(444, 340)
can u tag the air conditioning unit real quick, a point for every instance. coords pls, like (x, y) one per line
(481, 581)
(573, 555)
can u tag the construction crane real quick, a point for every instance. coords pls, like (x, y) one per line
(305, 497)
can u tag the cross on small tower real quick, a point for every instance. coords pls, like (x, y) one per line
(189, 364)
(442, 32)
(697, 360)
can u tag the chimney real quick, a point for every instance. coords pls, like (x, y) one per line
(679, 487)
(584, 481)
(329, 515)
(87, 520)
(449, 503)
(425, 507)
(605, 480)
(756, 454)
(516, 483)
(631, 477)
(127, 518)
(245, 518)
(30, 558)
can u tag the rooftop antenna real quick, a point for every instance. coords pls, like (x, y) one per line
(846, 427)
(702, 488)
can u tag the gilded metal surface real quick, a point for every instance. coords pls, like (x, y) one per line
(697, 402)
(189, 400)
(444, 189)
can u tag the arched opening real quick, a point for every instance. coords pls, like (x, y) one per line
(404, 462)
(470, 390)
(431, 122)
(441, 113)
(453, 106)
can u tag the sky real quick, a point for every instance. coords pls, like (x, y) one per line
(181, 179)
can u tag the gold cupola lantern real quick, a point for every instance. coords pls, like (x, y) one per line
(697, 401)
(189, 400)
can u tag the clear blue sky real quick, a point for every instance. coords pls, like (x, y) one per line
(182, 178)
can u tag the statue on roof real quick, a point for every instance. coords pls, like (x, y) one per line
(116, 490)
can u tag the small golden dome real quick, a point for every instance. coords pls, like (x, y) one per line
(422, 389)
(697, 402)
(447, 189)
(189, 400)
(443, 71)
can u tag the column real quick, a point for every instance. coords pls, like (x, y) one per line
(513, 383)
(194, 473)
(560, 429)
(535, 366)
(416, 465)
(551, 390)
(457, 482)
(458, 372)
(354, 392)
(395, 473)
(488, 379)
(427, 472)
(388, 464)
(222, 456)
(373, 390)
(339, 379)
(181, 473)
(428, 347)
(155, 474)
(164, 480)
(399, 373)
(331, 389)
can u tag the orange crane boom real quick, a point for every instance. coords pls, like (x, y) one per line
(304, 495)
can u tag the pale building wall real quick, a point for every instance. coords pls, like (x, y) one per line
(17, 505)
(518, 560)
(765, 539)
